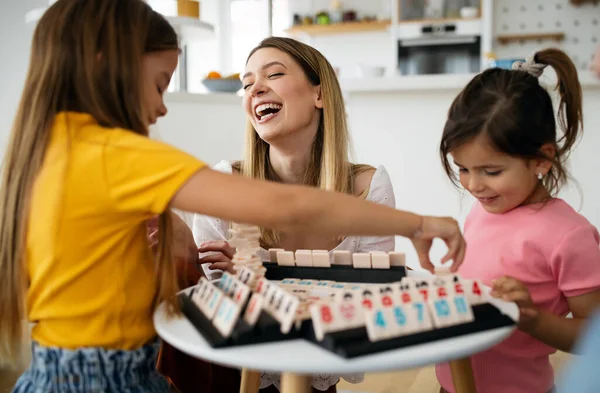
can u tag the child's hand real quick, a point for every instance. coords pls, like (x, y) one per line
(512, 290)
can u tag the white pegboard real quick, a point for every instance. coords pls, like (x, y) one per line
(581, 26)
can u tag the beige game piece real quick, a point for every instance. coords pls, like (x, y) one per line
(320, 258)
(255, 306)
(197, 296)
(377, 322)
(420, 316)
(325, 318)
(442, 312)
(287, 313)
(227, 316)
(263, 286)
(304, 258)
(273, 254)
(350, 309)
(361, 260)
(397, 258)
(285, 258)
(289, 282)
(403, 320)
(210, 306)
(240, 293)
(462, 308)
(474, 291)
(342, 257)
(442, 271)
(380, 260)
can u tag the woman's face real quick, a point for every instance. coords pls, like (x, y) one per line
(279, 99)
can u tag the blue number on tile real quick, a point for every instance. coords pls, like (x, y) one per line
(420, 310)
(213, 300)
(229, 312)
(461, 305)
(441, 308)
(400, 316)
(379, 319)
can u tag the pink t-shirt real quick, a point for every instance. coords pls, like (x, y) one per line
(555, 252)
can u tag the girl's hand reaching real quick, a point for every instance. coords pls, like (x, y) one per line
(445, 228)
(512, 290)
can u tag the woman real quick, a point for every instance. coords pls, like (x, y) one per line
(296, 133)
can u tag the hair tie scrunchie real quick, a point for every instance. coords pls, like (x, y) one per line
(530, 66)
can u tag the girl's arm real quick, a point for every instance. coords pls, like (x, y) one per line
(306, 209)
(562, 333)
(553, 330)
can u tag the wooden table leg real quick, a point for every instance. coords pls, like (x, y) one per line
(462, 375)
(250, 381)
(294, 383)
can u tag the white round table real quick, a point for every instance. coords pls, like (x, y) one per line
(298, 359)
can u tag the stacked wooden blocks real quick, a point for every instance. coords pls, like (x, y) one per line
(322, 258)
(245, 239)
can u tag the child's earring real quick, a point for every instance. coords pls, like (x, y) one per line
(540, 176)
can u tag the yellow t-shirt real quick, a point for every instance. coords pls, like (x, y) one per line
(91, 273)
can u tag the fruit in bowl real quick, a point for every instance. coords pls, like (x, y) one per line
(215, 82)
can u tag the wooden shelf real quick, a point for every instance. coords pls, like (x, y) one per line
(505, 39)
(437, 21)
(340, 28)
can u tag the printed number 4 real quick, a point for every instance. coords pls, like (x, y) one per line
(379, 319)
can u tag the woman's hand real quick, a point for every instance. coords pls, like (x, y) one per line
(445, 228)
(220, 257)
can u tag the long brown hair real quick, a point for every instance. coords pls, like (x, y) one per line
(328, 168)
(516, 114)
(86, 56)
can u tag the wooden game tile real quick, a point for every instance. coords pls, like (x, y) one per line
(361, 260)
(386, 295)
(350, 310)
(407, 291)
(262, 286)
(369, 297)
(255, 306)
(213, 299)
(380, 260)
(422, 287)
(474, 292)
(442, 312)
(442, 271)
(320, 258)
(241, 293)
(307, 283)
(285, 258)
(324, 318)
(287, 314)
(304, 258)
(226, 316)
(247, 276)
(200, 291)
(397, 258)
(378, 323)
(273, 254)
(462, 308)
(420, 315)
(342, 257)
(403, 320)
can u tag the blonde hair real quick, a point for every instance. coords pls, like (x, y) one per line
(329, 167)
(86, 56)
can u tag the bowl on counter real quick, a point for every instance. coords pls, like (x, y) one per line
(222, 85)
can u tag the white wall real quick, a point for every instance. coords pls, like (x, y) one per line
(15, 41)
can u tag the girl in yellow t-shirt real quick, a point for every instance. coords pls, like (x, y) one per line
(81, 178)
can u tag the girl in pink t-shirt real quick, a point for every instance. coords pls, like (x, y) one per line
(530, 247)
